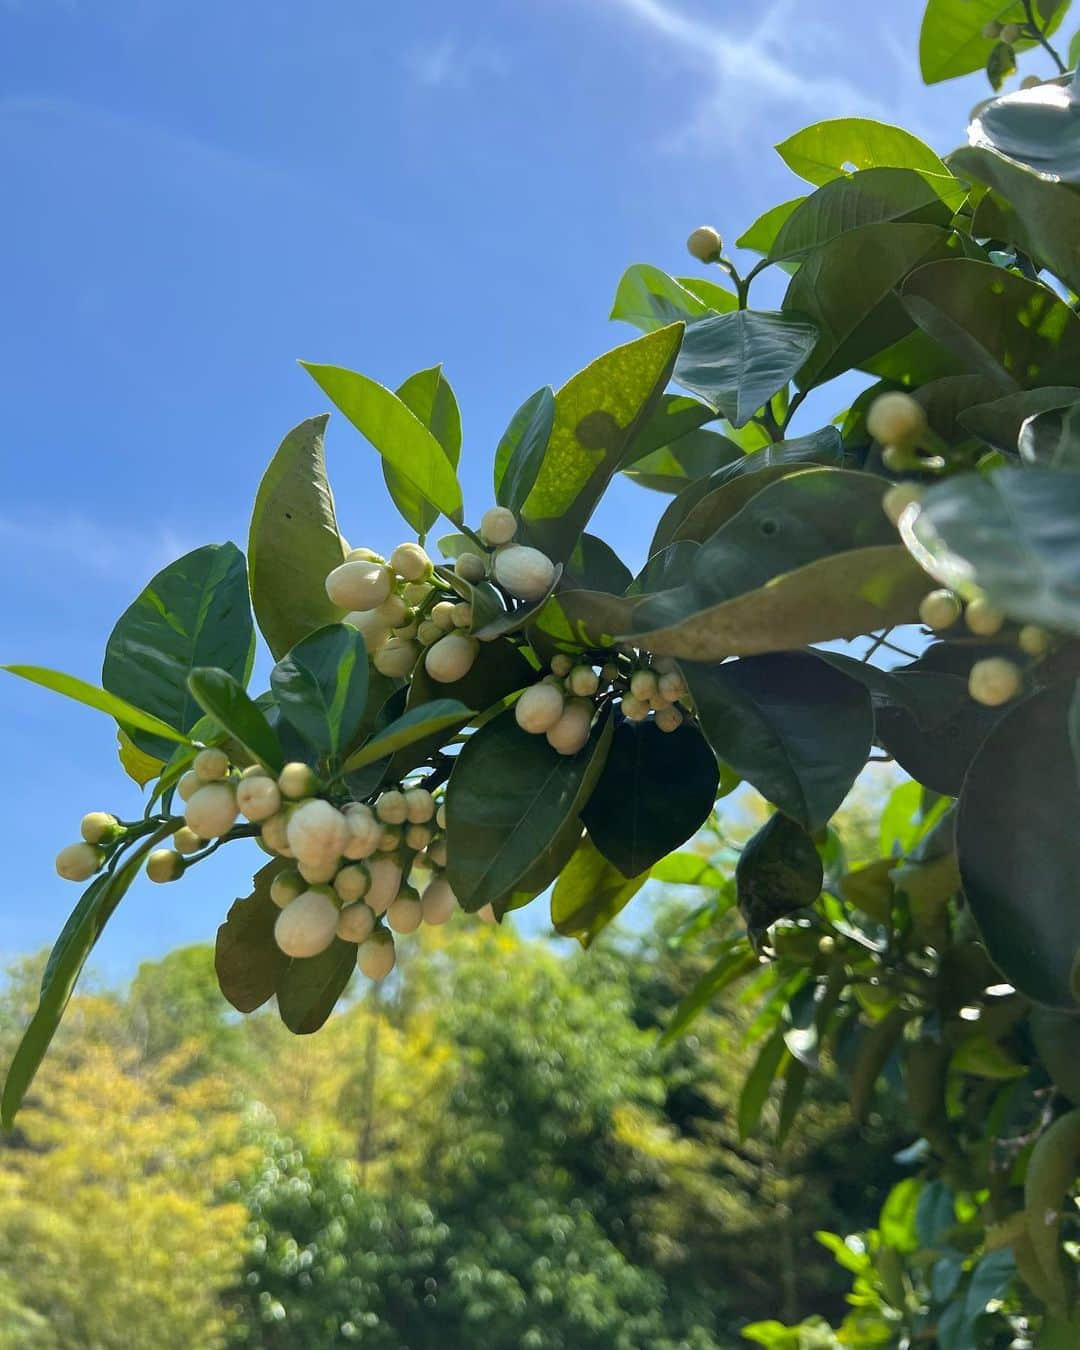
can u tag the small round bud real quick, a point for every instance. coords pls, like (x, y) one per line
(274, 835)
(297, 780)
(419, 805)
(1033, 640)
(385, 883)
(407, 631)
(471, 567)
(317, 832)
(571, 731)
(525, 572)
(164, 864)
(992, 30)
(417, 837)
(443, 615)
(389, 839)
(393, 611)
(451, 658)
(373, 629)
(364, 555)
(486, 914)
(258, 798)
(211, 764)
(359, 585)
(212, 811)
(187, 841)
(671, 686)
(896, 420)
(364, 831)
(286, 886)
(256, 771)
(307, 925)
(392, 808)
(352, 883)
(939, 609)
(539, 708)
(414, 593)
(561, 665)
(463, 615)
(396, 658)
(669, 718)
(405, 913)
(498, 526)
(188, 785)
(704, 244)
(1031, 82)
(644, 686)
(898, 498)
(1011, 33)
(436, 853)
(994, 681)
(98, 827)
(78, 862)
(410, 562)
(982, 618)
(376, 956)
(583, 681)
(440, 815)
(318, 871)
(428, 632)
(355, 923)
(633, 709)
(438, 902)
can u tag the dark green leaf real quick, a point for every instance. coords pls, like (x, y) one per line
(875, 1047)
(93, 697)
(220, 696)
(650, 299)
(999, 421)
(778, 872)
(429, 397)
(309, 987)
(294, 541)
(673, 418)
(673, 466)
(1057, 1042)
(1052, 438)
(736, 961)
(520, 453)
(590, 893)
(248, 961)
(578, 620)
(418, 724)
(321, 687)
(755, 1090)
(833, 149)
(595, 566)
(514, 620)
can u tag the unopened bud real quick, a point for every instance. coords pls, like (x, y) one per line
(392, 808)
(438, 902)
(405, 913)
(186, 840)
(994, 681)
(351, 884)
(982, 618)
(164, 864)
(539, 708)
(571, 731)
(396, 658)
(393, 610)
(443, 615)
(78, 862)
(211, 764)
(451, 658)
(385, 883)
(470, 567)
(307, 925)
(356, 922)
(525, 572)
(359, 585)
(704, 244)
(212, 811)
(898, 498)
(896, 419)
(561, 665)
(1033, 640)
(583, 681)
(98, 827)
(188, 785)
(1011, 33)
(376, 956)
(498, 526)
(939, 609)
(258, 798)
(286, 886)
(410, 562)
(297, 780)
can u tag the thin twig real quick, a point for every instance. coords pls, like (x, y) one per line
(1042, 39)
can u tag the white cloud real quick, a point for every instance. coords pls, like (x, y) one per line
(35, 542)
(448, 63)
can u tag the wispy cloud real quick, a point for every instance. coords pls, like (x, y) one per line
(39, 543)
(449, 63)
(777, 64)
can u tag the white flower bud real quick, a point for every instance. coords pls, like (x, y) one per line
(393, 611)
(994, 681)
(355, 923)
(274, 835)
(78, 862)
(443, 615)
(438, 902)
(633, 709)
(525, 572)
(410, 562)
(164, 864)
(462, 615)
(644, 686)
(364, 555)
(211, 764)
(407, 631)
(359, 585)
(187, 841)
(982, 618)
(258, 798)
(306, 926)
(471, 567)
(286, 886)
(1033, 640)
(188, 785)
(419, 805)
(539, 708)
(385, 883)
(498, 526)
(370, 626)
(561, 665)
(428, 632)
(98, 827)
(991, 30)
(896, 420)
(898, 498)
(389, 839)
(297, 780)
(212, 811)
(451, 658)
(939, 609)
(669, 718)
(486, 914)
(440, 815)
(392, 808)
(583, 681)
(256, 771)
(1031, 82)
(364, 831)
(318, 871)
(417, 837)
(376, 956)
(405, 913)
(317, 832)
(415, 593)
(571, 731)
(1011, 33)
(704, 244)
(352, 884)
(671, 686)
(396, 658)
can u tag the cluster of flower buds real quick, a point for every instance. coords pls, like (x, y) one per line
(385, 600)
(79, 861)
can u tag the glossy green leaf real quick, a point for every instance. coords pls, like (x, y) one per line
(195, 612)
(590, 893)
(509, 796)
(650, 299)
(520, 453)
(578, 620)
(1015, 330)
(1037, 128)
(1052, 438)
(718, 298)
(1056, 1035)
(951, 40)
(832, 149)
(736, 961)
(594, 565)
(1019, 850)
(420, 723)
(673, 417)
(778, 872)
(66, 960)
(737, 362)
(141, 767)
(294, 542)
(248, 962)
(224, 699)
(597, 416)
(308, 988)
(1014, 533)
(93, 697)
(761, 235)
(999, 421)
(429, 397)
(664, 569)
(674, 466)
(790, 724)
(687, 869)
(759, 1080)
(655, 792)
(402, 439)
(499, 624)
(321, 687)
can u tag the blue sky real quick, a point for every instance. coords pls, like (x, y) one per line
(197, 195)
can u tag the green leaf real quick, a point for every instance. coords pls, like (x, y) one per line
(577, 620)
(514, 620)
(309, 987)
(847, 289)
(898, 1218)
(982, 1057)
(136, 764)
(402, 439)
(736, 961)
(755, 1089)
(590, 893)
(594, 565)
(761, 235)
(687, 869)
(420, 723)
(509, 796)
(1019, 850)
(321, 687)
(65, 964)
(999, 421)
(1000, 64)
(650, 299)
(951, 40)
(429, 397)
(737, 362)
(1015, 534)
(93, 697)
(870, 197)
(224, 699)
(832, 149)
(1056, 1035)
(195, 612)
(655, 792)
(790, 724)
(673, 417)
(692, 456)
(248, 961)
(520, 453)
(718, 298)
(1015, 330)
(778, 872)
(1035, 128)
(1052, 438)
(598, 413)
(875, 1047)
(294, 542)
